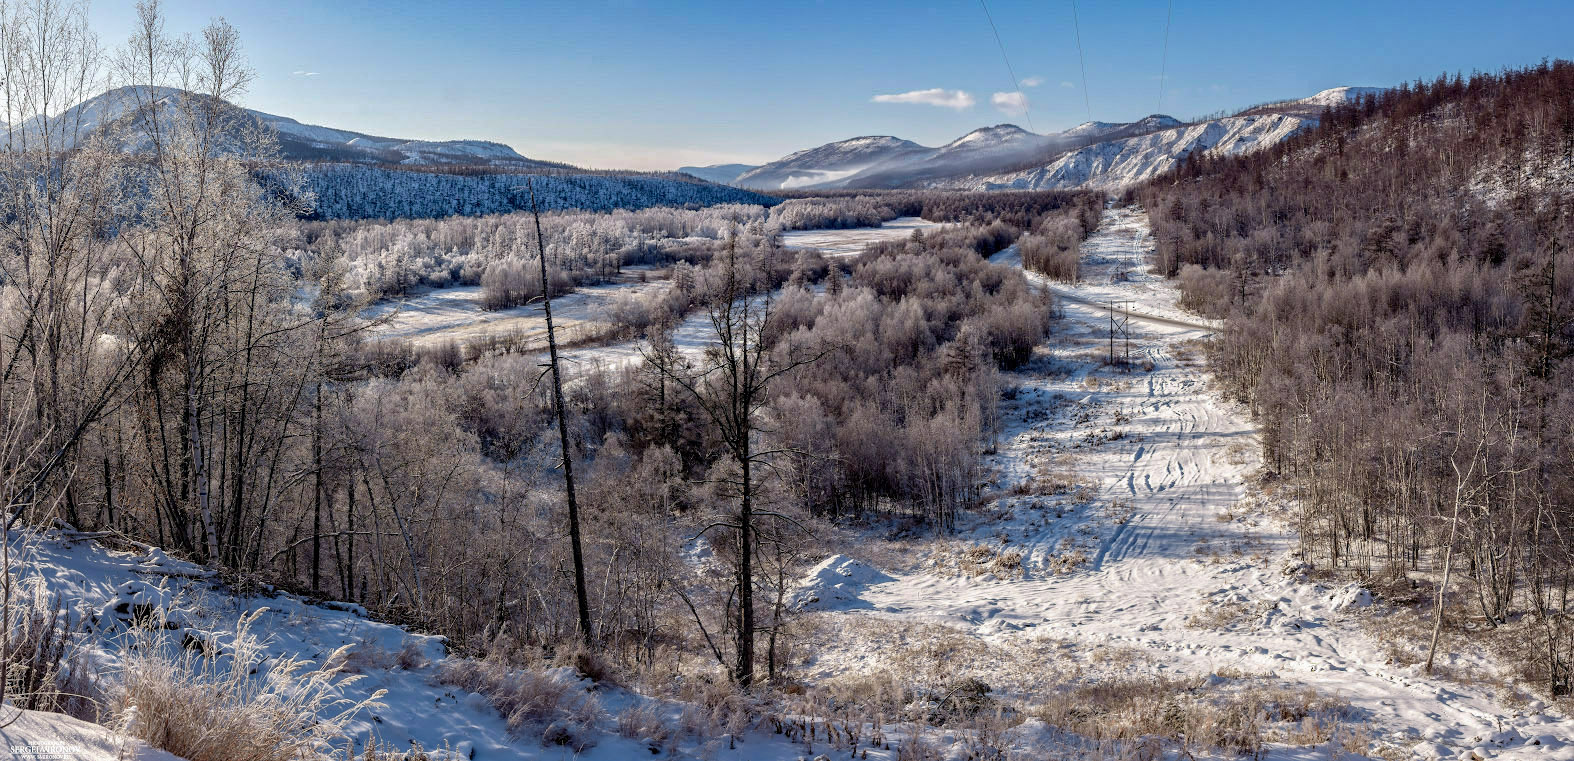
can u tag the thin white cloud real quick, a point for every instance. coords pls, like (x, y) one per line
(1009, 103)
(1032, 81)
(957, 99)
(304, 73)
(1068, 85)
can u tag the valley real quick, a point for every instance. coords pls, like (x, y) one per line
(1093, 434)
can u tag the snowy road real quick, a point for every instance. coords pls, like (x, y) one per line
(1168, 552)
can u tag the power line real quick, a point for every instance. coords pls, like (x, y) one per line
(1015, 84)
(1164, 64)
(1077, 25)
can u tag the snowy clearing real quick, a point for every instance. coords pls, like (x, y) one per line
(456, 314)
(1125, 536)
(850, 242)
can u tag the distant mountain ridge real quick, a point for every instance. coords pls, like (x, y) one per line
(1095, 155)
(354, 175)
(297, 141)
(721, 174)
(884, 161)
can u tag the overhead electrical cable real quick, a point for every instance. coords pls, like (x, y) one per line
(1015, 83)
(1164, 63)
(1077, 25)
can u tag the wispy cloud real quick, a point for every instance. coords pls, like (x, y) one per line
(304, 73)
(1009, 103)
(1032, 81)
(957, 99)
(1068, 85)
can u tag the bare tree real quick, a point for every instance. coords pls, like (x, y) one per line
(731, 386)
(580, 595)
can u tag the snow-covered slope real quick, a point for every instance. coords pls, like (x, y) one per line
(829, 165)
(888, 162)
(104, 593)
(118, 107)
(1312, 107)
(1117, 164)
(721, 174)
(1100, 131)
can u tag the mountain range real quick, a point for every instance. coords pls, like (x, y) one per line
(1096, 155)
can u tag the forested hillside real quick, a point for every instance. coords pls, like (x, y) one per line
(1400, 285)
(350, 191)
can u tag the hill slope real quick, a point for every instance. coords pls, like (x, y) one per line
(1116, 164)
(829, 165)
(721, 174)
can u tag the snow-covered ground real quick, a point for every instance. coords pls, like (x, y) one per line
(1121, 163)
(850, 242)
(456, 314)
(103, 590)
(1129, 498)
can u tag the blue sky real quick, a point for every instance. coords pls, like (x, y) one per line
(654, 85)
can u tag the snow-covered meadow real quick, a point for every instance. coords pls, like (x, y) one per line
(850, 242)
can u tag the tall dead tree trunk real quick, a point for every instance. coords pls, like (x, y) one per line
(580, 596)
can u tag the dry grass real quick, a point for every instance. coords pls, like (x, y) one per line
(531, 702)
(235, 703)
(44, 670)
(1186, 714)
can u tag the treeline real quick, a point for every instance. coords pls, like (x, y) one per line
(1401, 289)
(813, 209)
(354, 191)
(386, 259)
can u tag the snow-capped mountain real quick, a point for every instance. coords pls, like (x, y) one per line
(1098, 131)
(297, 141)
(721, 174)
(984, 149)
(830, 165)
(1115, 164)
(1094, 154)
(307, 141)
(888, 162)
(1312, 107)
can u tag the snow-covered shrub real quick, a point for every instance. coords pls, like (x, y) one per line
(549, 702)
(368, 656)
(411, 656)
(959, 699)
(647, 721)
(239, 702)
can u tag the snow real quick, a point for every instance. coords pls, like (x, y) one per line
(98, 588)
(835, 583)
(1160, 548)
(851, 241)
(1118, 164)
(37, 736)
(1338, 96)
(456, 314)
(827, 165)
